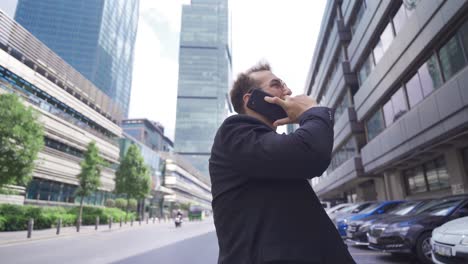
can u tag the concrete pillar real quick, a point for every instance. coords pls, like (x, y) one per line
(366, 191)
(394, 185)
(380, 188)
(458, 179)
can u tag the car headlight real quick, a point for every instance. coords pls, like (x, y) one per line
(464, 241)
(397, 228)
(365, 227)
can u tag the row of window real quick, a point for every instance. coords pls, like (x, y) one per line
(336, 63)
(53, 105)
(443, 64)
(393, 27)
(430, 176)
(57, 145)
(360, 13)
(342, 154)
(38, 69)
(343, 104)
(46, 190)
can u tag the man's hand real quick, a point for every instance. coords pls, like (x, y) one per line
(294, 107)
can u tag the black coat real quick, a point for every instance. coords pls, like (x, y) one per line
(264, 208)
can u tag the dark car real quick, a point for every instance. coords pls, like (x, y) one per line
(412, 233)
(357, 230)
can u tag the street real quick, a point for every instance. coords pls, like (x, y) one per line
(194, 243)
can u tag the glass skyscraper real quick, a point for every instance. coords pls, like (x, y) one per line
(96, 37)
(204, 76)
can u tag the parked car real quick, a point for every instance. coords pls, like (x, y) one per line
(338, 208)
(373, 209)
(412, 233)
(357, 230)
(353, 209)
(450, 242)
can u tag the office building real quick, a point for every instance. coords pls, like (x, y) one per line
(189, 186)
(73, 111)
(96, 37)
(148, 132)
(396, 73)
(155, 164)
(204, 76)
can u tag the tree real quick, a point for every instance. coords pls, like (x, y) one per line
(132, 177)
(90, 175)
(21, 139)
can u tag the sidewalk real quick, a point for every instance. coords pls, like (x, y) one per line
(13, 237)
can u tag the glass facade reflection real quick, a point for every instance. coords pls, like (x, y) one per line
(95, 37)
(204, 74)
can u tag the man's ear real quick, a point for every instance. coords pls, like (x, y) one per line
(246, 98)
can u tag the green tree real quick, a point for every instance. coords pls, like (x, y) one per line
(132, 176)
(90, 175)
(21, 139)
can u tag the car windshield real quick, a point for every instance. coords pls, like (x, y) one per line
(403, 209)
(370, 208)
(349, 208)
(427, 206)
(443, 209)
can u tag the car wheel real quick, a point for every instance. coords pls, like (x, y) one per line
(423, 248)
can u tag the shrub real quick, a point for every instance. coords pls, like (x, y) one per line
(133, 204)
(121, 203)
(110, 203)
(15, 217)
(2, 223)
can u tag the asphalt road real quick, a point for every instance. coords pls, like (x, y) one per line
(194, 243)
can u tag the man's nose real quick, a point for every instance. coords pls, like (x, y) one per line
(287, 91)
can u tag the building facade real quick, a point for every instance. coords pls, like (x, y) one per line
(395, 72)
(204, 76)
(189, 186)
(95, 37)
(73, 111)
(148, 132)
(155, 164)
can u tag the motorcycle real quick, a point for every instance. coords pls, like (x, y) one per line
(178, 221)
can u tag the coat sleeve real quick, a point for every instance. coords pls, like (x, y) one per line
(258, 152)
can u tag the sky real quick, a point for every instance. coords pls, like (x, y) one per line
(282, 32)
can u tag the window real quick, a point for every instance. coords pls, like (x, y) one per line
(415, 180)
(451, 57)
(359, 14)
(399, 19)
(378, 51)
(366, 69)
(430, 176)
(385, 40)
(342, 154)
(464, 36)
(387, 37)
(395, 107)
(342, 106)
(375, 125)
(413, 88)
(437, 175)
(429, 75)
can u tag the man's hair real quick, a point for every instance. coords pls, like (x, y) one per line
(243, 84)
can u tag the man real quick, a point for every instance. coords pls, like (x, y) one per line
(264, 209)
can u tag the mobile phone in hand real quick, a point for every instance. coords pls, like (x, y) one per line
(258, 104)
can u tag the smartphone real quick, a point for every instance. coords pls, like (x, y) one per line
(258, 104)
